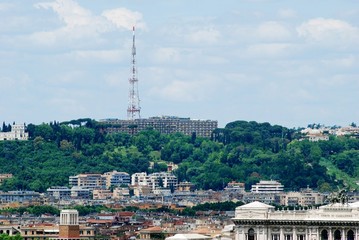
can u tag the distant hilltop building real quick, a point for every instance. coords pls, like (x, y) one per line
(164, 124)
(17, 133)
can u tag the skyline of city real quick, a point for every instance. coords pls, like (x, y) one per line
(285, 63)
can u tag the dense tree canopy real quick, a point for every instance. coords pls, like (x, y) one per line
(242, 151)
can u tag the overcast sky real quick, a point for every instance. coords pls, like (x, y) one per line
(279, 61)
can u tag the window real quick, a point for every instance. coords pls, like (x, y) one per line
(337, 235)
(251, 235)
(324, 235)
(275, 236)
(301, 237)
(350, 235)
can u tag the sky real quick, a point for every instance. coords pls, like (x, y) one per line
(285, 62)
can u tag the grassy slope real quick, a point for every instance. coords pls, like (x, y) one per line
(338, 174)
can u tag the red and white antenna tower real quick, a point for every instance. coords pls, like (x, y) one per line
(133, 110)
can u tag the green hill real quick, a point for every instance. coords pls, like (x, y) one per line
(242, 151)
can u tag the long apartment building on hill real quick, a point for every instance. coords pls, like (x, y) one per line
(164, 124)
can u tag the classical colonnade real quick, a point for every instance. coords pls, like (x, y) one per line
(247, 230)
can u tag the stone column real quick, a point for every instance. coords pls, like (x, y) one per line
(344, 235)
(281, 237)
(268, 233)
(330, 237)
(294, 234)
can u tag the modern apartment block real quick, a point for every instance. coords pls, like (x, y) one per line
(267, 187)
(100, 181)
(65, 193)
(19, 196)
(117, 179)
(59, 192)
(164, 124)
(17, 133)
(88, 181)
(155, 180)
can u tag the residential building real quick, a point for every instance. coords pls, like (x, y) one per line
(155, 180)
(164, 124)
(120, 193)
(17, 133)
(267, 198)
(19, 196)
(267, 187)
(306, 197)
(59, 192)
(235, 187)
(88, 181)
(116, 179)
(185, 187)
(101, 194)
(80, 193)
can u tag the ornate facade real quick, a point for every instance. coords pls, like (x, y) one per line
(259, 221)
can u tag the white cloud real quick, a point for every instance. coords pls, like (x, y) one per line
(180, 91)
(5, 6)
(287, 13)
(273, 31)
(167, 54)
(124, 18)
(346, 62)
(183, 85)
(330, 31)
(97, 55)
(208, 35)
(268, 50)
(80, 22)
(70, 12)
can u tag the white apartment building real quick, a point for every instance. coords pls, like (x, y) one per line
(155, 180)
(267, 187)
(17, 133)
(140, 179)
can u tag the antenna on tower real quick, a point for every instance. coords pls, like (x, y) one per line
(133, 110)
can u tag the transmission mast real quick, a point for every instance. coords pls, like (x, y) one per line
(133, 110)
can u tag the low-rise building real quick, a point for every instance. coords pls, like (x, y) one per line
(19, 196)
(101, 194)
(235, 187)
(120, 193)
(80, 193)
(17, 133)
(267, 187)
(59, 192)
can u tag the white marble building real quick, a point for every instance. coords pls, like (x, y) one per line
(259, 221)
